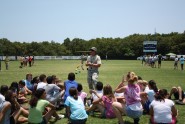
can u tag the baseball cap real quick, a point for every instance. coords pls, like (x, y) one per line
(93, 49)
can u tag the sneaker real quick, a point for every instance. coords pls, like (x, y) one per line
(179, 102)
(52, 117)
(87, 112)
(60, 116)
(136, 120)
(69, 122)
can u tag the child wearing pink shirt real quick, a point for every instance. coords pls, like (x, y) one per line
(133, 107)
(83, 95)
(104, 103)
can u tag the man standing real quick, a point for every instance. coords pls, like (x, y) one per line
(176, 62)
(93, 62)
(159, 60)
(7, 62)
(29, 60)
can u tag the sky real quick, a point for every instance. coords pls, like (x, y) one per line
(56, 20)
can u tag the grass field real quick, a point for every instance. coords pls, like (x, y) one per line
(110, 73)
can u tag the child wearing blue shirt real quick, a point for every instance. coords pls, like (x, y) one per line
(75, 107)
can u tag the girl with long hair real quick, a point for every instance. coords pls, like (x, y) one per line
(104, 103)
(133, 107)
(162, 110)
(37, 107)
(16, 109)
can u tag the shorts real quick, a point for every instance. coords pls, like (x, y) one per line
(83, 121)
(175, 64)
(176, 95)
(146, 106)
(104, 114)
(12, 120)
(43, 122)
(133, 113)
(174, 120)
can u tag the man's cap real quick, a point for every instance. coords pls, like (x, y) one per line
(93, 49)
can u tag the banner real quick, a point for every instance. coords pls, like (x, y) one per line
(150, 46)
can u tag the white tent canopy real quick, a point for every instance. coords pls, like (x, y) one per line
(171, 54)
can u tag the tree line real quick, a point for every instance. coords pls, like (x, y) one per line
(115, 48)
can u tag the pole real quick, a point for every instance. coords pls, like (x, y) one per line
(0, 56)
(0, 63)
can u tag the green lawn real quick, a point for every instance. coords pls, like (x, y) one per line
(110, 73)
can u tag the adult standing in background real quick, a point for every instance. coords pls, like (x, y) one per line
(29, 60)
(93, 62)
(182, 62)
(21, 59)
(159, 60)
(33, 60)
(7, 62)
(176, 62)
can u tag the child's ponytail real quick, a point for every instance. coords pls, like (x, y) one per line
(153, 85)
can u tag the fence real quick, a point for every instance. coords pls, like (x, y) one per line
(44, 57)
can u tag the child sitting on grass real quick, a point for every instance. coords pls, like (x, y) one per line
(22, 92)
(38, 103)
(75, 108)
(104, 103)
(162, 110)
(149, 94)
(82, 94)
(99, 91)
(133, 107)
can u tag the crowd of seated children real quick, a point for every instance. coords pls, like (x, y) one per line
(130, 97)
(13, 112)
